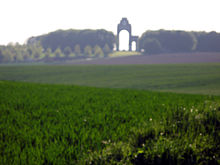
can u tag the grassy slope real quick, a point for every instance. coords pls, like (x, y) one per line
(124, 53)
(184, 78)
(65, 124)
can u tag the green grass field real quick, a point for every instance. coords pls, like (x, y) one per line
(66, 124)
(46, 118)
(182, 78)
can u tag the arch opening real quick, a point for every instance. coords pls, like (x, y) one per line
(133, 46)
(124, 40)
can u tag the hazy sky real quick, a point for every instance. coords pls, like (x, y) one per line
(21, 19)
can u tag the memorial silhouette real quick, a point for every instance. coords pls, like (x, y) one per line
(124, 25)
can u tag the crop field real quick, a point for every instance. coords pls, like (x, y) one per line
(67, 124)
(182, 78)
(135, 58)
(47, 118)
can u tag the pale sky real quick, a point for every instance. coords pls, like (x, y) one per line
(21, 19)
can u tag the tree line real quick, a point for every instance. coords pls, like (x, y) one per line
(164, 41)
(36, 52)
(60, 45)
(74, 44)
(70, 38)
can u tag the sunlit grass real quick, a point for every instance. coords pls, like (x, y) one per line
(65, 124)
(182, 78)
(123, 53)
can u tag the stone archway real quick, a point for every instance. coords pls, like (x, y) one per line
(124, 25)
(135, 39)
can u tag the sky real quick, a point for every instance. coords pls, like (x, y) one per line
(21, 19)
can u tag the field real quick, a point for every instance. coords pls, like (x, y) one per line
(134, 58)
(182, 78)
(66, 124)
(46, 118)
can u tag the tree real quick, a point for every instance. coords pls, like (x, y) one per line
(1, 56)
(48, 53)
(8, 56)
(77, 50)
(37, 54)
(88, 51)
(152, 46)
(67, 51)
(58, 53)
(98, 51)
(26, 55)
(207, 42)
(30, 50)
(106, 50)
(171, 41)
(36, 51)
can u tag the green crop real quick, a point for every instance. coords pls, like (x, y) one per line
(182, 78)
(66, 124)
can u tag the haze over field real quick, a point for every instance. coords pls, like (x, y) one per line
(25, 18)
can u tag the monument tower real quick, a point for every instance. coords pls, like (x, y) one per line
(124, 25)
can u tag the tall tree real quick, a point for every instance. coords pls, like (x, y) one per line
(1, 56)
(8, 55)
(58, 53)
(98, 51)
(67, 51)
(88, 51)
(77, 50)
(106, 50)
(48, 53)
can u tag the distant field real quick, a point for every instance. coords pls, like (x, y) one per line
(172, 58)
(184, 78)
(66, 124)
